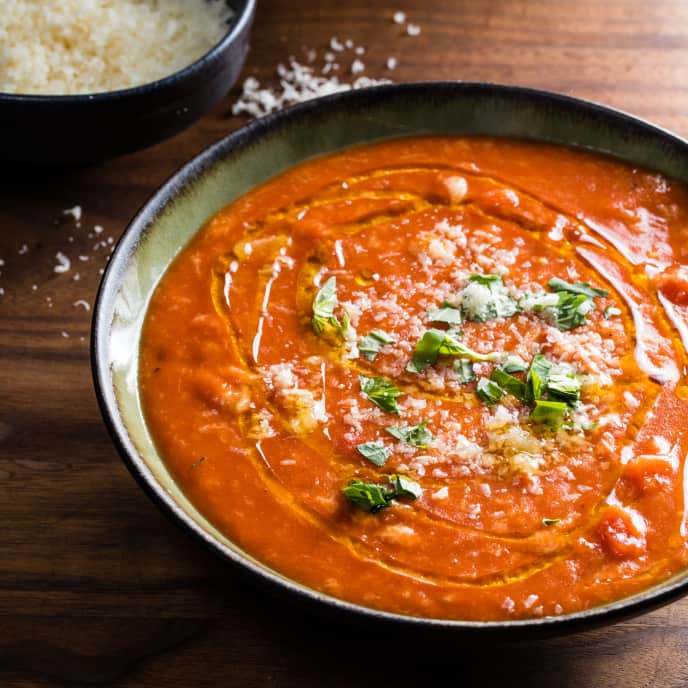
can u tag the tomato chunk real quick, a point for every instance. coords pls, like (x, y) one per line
(622, 533)
(673, 283)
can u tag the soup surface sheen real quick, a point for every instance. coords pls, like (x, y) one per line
(507, 443)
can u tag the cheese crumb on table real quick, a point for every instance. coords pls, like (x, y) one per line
(357, 67)
(75, 212)
(297, 83)
(63, 264)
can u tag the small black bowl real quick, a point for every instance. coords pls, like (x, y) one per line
(36, 129)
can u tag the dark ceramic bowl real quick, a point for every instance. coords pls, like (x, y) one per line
(90, 127)
(270, 145)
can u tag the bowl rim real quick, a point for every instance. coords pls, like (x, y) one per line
(238, 23)
(612, 612)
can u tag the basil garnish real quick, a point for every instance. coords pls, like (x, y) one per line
(464, 370)
(564, 388)
(513, 364)
(510, 384)
(375, 452)
(573, 302)
(367, 496)
(548, 412)
(556, 284)
(438, 342)
(381, 392)
(571, 310)
(489, 391)
(446, 313)
(371, 344)
(538, 374)
(324, 303)
(416, 435)
(373, 497)
(405, 487)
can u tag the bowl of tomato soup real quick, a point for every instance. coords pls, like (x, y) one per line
(417, 353)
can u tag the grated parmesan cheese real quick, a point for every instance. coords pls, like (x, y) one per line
(82, 46)
(457, 187)
(476, 299)
(305, 412)
(442, 493)
(441, 251)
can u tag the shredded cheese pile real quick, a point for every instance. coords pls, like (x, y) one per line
(87, 46)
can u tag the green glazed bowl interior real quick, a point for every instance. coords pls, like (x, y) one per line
(271, 145)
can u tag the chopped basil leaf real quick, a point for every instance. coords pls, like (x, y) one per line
(344, 327)
(367, 496)
(574, 427)
(381, 392)
(416, 435)
(514, 364)
(372, 343)
(375, 452)
(452, 347)
(567, 306)
(538, 374)
(556, 284)
(489, 391)
(373, 497)
(446, 313)
(564, 388)
(436, 342)
(611, 311)
(485, 298)
(548, 412)
(509, 383)
(485, 280)
(427, 350)
(571, 310)
(324, 304)
(405, 487)
(538, 301)
(549, 390)
(464, 369)
(550, 521)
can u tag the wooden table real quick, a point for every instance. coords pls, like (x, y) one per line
(96, 587)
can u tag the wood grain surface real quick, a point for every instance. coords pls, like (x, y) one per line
(96, 587)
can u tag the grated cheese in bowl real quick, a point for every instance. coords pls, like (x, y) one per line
(87, 46)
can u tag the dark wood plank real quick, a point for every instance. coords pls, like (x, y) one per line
(97, 587)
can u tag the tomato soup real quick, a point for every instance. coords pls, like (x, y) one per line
(442, 377)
